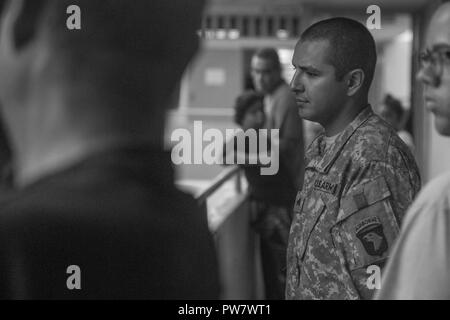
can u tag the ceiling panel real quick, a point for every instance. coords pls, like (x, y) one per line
(396, 5)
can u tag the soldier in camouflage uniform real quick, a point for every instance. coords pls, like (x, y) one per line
(360, 177)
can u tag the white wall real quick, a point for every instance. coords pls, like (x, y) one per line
(216, 78)
(438, 157)
(397, 69)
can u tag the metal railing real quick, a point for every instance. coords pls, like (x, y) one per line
(222, 177)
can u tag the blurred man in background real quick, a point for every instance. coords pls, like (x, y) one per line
(281, 110)
(282, 114)
(420, 262)
(270, 196)
(95, 213)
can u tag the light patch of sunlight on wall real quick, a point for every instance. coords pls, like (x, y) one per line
(396, 67)
(405, 36)
(286, 63)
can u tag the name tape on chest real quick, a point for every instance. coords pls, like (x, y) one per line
(325, 186)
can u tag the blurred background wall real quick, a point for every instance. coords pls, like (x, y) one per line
(233, 29)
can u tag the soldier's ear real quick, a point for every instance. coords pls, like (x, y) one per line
(354, 81)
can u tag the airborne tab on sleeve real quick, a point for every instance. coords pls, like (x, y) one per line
(360, 201)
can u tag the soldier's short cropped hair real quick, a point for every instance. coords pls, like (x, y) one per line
(244, 102)
(351, 46)
(271, 55)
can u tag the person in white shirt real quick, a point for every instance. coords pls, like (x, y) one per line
(420, 262)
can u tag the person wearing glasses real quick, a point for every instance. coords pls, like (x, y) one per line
(419, 267)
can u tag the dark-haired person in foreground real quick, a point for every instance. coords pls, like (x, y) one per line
(95, 214)
(359, 177)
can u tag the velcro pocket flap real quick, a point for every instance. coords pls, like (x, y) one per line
(363, 196)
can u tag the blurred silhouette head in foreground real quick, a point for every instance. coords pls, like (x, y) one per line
(434, 72)
(64, 93)
(84, 111)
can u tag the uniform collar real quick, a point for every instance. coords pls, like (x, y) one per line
(324, 163)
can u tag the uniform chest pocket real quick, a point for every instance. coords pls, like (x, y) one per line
(366, 226)
(299, 200)
(312, 208)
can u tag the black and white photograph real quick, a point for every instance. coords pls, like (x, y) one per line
(223, 156)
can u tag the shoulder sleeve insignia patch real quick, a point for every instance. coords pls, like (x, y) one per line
(370, 232)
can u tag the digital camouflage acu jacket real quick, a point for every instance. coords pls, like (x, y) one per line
(349, 211)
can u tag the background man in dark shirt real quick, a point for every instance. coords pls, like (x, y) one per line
(271, 196)
(281, 111)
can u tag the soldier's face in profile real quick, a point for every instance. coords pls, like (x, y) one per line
(318, 94)
(435, 70)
